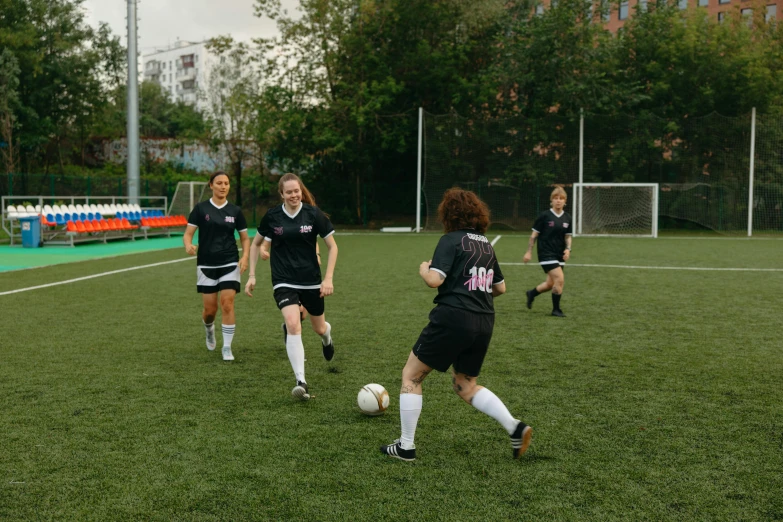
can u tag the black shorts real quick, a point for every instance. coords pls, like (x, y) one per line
(455, 337)
(211, 280)
(309, 298)
(552, 264)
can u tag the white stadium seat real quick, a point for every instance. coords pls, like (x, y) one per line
(125, 207)
(47, 209)
(93, 208)
(9, 209)
(71, 208)
(30, 209)
(38, 208)
(135, 207)
(80, 209)
(57, 210)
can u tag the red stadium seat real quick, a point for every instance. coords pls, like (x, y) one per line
(71, 227)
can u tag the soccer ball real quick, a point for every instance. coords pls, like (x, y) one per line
(373, 399)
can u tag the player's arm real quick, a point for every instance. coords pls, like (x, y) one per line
(253, 260)
(567, 252)
(244, 239)
(531, 242)
(432, 277)
(499, 289)
(187, 239)
(327, 285)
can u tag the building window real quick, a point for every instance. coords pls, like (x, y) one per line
(772, 12)
(682, 4)
(642, 6)
(704, 3)
(748, 14)
(721, 17)
(539, 12)
(624, 10)
(187, 61)
(724, 1)
(223, 58)
(607, 11)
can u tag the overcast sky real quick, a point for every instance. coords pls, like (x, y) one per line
(161, 22)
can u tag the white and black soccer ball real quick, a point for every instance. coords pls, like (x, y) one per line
(373, 399)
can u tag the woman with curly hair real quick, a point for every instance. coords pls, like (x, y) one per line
(467, 275)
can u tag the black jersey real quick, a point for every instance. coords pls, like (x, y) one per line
(293, 237)
(217, 245)
(552, 230)
(467, 260)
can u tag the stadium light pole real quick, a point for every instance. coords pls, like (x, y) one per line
(581, 169)
(133, 106)
(752, 165)
(418, 172)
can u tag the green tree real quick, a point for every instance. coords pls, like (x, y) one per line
(9, 100)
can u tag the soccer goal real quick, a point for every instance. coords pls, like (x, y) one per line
(187, 195)
(616, 209)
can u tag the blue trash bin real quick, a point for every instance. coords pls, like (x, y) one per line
(31, 231)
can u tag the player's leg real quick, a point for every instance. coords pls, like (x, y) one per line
(228, 321)
(208, 314)
(466, 369)
(287, 300)
(314, 304)
(546, 286)
(558, 282)
(413, 374)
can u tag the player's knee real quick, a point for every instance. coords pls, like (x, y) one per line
(463, 387)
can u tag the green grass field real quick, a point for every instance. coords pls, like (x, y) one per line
(659, 397)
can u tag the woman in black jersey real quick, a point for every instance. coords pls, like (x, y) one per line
(291, 229)
(219, 264)
(553, 229)
(467, 275)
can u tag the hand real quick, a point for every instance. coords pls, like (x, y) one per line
(242, 264)
(265, 255)
(424, 267)
(327, 287)
(191, 249)
(566, 255)
(527, 256)
(250, 286)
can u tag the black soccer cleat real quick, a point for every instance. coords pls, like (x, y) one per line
(301, 391)
(520, 439)
(530, 298)
(395, 450)
(329, 350)
(558, 313)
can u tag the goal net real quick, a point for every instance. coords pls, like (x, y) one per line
(616, 209)
(187, 195)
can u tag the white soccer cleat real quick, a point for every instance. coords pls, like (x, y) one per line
(211, 343)
(227, 355)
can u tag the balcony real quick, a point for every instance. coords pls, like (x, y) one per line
(188, 74)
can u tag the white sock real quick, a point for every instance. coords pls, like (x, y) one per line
(209, 327)
(296, 354)
(410, 409)
(327, 337)
(228, 334)
(487, 402)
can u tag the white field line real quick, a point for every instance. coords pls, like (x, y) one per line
(85, 278)
(695, 268)
(495, 240)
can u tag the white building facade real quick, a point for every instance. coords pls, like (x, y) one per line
(181, 70)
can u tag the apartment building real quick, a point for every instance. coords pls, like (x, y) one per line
(180, 70)
(615, 18)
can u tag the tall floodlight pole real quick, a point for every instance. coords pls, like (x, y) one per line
(133, 106)
(418, 171)
(752, 165)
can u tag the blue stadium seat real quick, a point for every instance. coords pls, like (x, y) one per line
(57, 218)
(98, 216)
(82, 216)
(90, 216)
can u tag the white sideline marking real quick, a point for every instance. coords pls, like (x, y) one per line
(495, 240)
(9, 292)
(665, 267)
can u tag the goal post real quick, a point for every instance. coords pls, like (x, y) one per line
(616, 209)
(187, 195)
